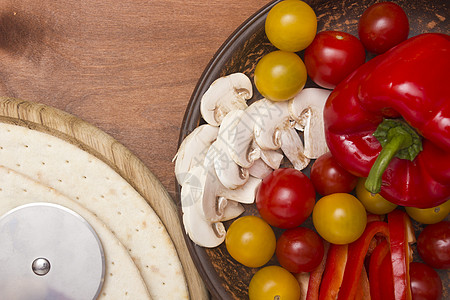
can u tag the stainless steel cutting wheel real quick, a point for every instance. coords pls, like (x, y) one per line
(49, 252)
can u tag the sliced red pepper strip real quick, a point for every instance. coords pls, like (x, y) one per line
(315, 277)
(356, 254)
(374, 217)
(401, 234)
(376, 259)
(363, 289)
(334, 271)
(386, 279)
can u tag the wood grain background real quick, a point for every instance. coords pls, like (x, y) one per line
(127, 66)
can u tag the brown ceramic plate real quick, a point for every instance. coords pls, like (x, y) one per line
(224, 277)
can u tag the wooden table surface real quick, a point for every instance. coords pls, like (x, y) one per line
(127, 67)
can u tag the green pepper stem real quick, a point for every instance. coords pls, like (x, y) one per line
(397, 139)
(373, 181)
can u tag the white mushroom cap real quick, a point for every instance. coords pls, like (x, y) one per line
(306, 109)
(272, 118)
(193, 149)
(224, 95)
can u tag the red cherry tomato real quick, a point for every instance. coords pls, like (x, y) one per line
(382, 26)
(299, 250)
(425, 282)
(329, 177)
(332, 56)
(433, 245)
(285, 198)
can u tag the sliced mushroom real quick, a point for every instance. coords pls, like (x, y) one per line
(306, 109)
(206, 202)
(215, 193)
(214, 199)
(201, 231)
(243, 194)
(193, 150)
(224, 95)
(260, 169)
(272, 158)
(303, 280)
(236, 131)
(229, 209)
(292, 147)
(273, 117)
(230, 174)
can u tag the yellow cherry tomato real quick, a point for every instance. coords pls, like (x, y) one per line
(429, 215)
(339, 218)
(280, 75)
(374, 203)
(272, 281)
(291, 25)
(250, 241)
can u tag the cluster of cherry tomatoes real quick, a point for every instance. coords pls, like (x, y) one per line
(329, 56)
(287, 197)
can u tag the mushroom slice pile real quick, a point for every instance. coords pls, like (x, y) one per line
(206, 202)
(224, 95)
(193, 150)
(274, 129)
(306, 109)
(221, 164)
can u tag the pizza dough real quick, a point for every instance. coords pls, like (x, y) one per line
(122, 278)
(94, 185)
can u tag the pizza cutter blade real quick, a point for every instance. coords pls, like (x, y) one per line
(48, 251)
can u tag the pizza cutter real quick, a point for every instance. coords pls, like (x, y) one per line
(48, 251)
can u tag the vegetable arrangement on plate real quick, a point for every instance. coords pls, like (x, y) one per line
(375, 136)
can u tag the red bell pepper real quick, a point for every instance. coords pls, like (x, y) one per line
(390, 121)
(356, 254)
(315, 277)
(363, 288)
(334, 271)
(387, 281)
(401, 234)
(377, 276)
